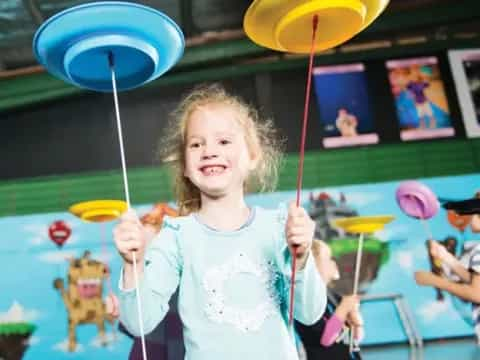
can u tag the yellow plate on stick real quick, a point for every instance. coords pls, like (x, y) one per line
(99, 210)
(286, 25)
(363, 224)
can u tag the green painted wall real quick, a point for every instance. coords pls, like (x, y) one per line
(322, 168)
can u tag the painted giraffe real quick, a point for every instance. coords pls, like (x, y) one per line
(83, 296)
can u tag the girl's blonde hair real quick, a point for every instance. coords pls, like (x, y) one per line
(261, 138)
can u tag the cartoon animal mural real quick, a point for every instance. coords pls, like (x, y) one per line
(83, 297)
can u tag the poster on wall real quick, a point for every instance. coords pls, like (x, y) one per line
(420, 101)
(344, 105)
(465, 65)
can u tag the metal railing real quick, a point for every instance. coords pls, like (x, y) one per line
(404, 313)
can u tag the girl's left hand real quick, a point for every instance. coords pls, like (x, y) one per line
(299, 231)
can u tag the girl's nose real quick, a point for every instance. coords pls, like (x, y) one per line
(209, 151)
(208, 156)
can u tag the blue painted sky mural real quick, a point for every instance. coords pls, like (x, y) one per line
(31, 261)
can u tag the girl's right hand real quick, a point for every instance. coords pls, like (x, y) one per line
(129, 236)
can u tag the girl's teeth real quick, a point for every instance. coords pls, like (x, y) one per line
(213, 170)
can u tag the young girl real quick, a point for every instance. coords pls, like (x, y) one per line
(232, 263)
(329, 337)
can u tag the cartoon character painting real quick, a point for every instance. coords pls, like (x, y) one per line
(83, 296)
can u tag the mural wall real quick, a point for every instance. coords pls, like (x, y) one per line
(42, 278)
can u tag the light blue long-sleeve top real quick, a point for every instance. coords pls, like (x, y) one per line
(233, 288)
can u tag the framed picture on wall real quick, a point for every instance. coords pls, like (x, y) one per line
(420, 101)
(344, 105)
(465, 65)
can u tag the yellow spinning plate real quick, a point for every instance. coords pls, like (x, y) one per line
(363, 224)
(99, 210)
(286, 25)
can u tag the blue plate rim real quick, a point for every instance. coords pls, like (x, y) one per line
(53, 18)
(65, 12)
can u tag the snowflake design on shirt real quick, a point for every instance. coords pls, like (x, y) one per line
(243, 319)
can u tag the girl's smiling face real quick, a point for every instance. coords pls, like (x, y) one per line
(217, 157)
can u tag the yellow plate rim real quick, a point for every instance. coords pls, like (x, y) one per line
(92, 214)
(86, 209)
(302, 10)
(373, 9)
(374, 222)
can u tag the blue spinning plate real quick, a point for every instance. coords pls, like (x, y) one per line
(75, 45)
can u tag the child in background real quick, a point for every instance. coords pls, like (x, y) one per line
(465, 279)
(231, 262)
(329, 337)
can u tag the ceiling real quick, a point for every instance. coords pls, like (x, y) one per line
(199, 19)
